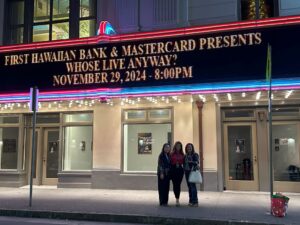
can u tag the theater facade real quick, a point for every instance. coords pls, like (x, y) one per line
(108, 103)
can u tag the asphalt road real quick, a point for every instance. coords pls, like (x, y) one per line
(33, 221)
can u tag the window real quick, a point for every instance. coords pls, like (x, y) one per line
(43, 118)
(11, 119)
(15, 22)
(142, 145)
(287, 112)
(78, 142)
(87, 17)
(78, 148)
(82, 117)
(160, 114)
(286, 154)
(236, 113)
(257, 9)
(46, 20)
(51, 20)
(145, 131)
(135, 115)
(9, 141)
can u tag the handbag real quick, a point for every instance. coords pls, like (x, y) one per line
(195, 177)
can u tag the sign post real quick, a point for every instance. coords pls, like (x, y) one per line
(269, 79)
(33, 107)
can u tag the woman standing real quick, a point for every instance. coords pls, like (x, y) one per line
(163, 174)
(191, 162)
(177, 159)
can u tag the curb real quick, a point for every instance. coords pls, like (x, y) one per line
(120, 218)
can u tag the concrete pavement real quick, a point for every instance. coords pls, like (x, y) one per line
(34, 221)
(142, 206)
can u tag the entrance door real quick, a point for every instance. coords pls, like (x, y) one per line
(50, 156)
(46, 163)
(240, 148)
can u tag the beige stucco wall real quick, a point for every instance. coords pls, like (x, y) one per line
(107, 137)
(196, 127)
(209, 130)
(183, 123)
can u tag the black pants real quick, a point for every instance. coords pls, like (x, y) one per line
(193, 197)
(177, 175)
(163, 189)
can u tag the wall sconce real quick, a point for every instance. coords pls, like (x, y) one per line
(261, 115)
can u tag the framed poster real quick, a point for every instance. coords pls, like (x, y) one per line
(283, 141)
(9, 145)
(144, 143)
(239, 145)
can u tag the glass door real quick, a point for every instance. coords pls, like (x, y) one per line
(50, 156)
(46, 160)
(240, 148)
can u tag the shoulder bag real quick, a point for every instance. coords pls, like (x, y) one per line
(195, 177)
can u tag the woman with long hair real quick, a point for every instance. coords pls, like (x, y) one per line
(163, 174)
(191, 162)
(177, 159)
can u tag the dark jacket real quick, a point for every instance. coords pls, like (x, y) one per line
(191, 162)
(164, 164)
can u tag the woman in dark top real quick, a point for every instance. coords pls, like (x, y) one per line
(163, 174)
(191, 162)
(177, 159)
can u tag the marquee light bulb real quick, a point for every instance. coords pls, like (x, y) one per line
(258, 95)
(287, 95)
(229, 96)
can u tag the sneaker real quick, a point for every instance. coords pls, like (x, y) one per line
(190, 204)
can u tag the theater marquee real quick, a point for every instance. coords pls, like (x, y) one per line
(218, 57)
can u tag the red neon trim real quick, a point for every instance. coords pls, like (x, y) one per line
(157, 34)
(100, 29)
(63, 92)
(103, 26)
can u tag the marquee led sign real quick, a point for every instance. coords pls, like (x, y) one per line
(185, 60)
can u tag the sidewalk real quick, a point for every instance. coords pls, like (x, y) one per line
(142, 206)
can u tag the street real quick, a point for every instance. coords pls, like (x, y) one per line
(34, 221)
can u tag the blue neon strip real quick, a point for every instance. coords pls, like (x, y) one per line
(109, 30)
(223, 87)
